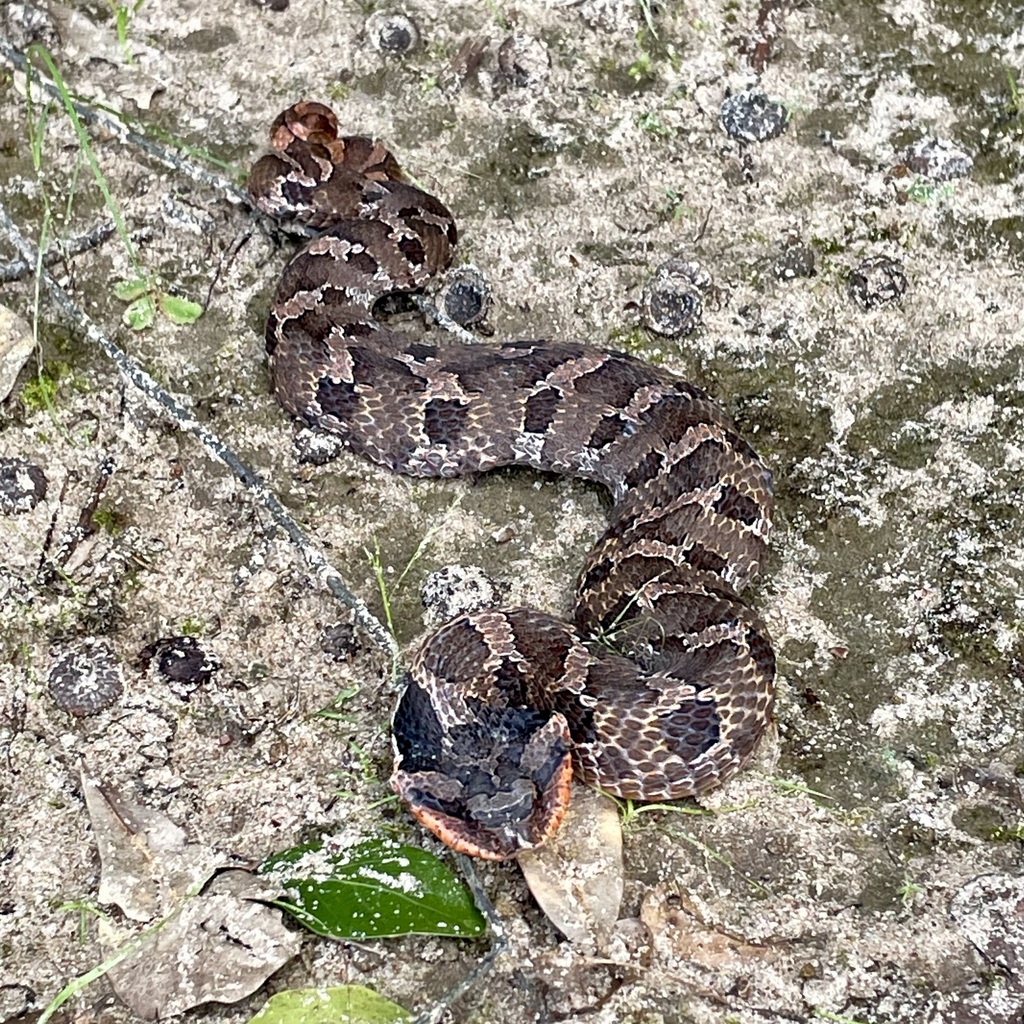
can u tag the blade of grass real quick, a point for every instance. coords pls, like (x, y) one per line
(37, 50)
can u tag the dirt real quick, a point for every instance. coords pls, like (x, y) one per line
(865, 867)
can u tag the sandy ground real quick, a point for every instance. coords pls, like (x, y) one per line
(839, 878)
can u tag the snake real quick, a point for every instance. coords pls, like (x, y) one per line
(661, 681)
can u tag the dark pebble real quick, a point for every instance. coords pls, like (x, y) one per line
(182, 661)
(316, 447)
(795, 260)
(750, 116)
(938, 160)
(458, 590)
(673, 301)
(339, 641)
(87, 679)
(392, 33)
(22, 486)
(466, 296)
(876, 281)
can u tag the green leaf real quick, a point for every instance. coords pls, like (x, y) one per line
(340, 1004)
(140, 314)
(128, 290)
(179, 310)
(373, 889)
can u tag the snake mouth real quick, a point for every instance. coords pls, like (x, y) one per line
(485, 835)
(482, 797)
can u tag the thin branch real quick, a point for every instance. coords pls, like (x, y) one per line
(117, 127)
(16, 270)
(186, 421)
(486, 964)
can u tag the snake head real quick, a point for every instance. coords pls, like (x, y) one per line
(489, 787)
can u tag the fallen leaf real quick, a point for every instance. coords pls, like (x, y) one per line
(147, 862)
(218, 948)
(341, 1004)
(577, 877)
(375, 888)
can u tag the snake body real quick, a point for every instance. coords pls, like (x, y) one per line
(662, 683)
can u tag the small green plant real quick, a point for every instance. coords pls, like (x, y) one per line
(650, 123)
(631, 812)
(86, 909)
(145, 296)
(673, 207)
(373, 557)
(339, 91)
(907, 890)
(123, 14)
(647, 13)
(142, 291)
(41, 394)
(836, 1018)
(1016, 105)
(642, 67)
(109, 519)
(335, 709)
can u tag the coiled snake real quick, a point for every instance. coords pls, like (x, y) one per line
(661, 685)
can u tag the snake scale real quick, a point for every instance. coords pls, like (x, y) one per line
(663, 681)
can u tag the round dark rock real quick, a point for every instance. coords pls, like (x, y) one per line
(673, 301)
(86, 679)
(316, 447)
(22, 486)
(523, 60)
(938, 160)
(466, 295)
(795, 260)
(876, 281)
(182, 661)
(339, 641)
(750, 116)
(392, 33)
(458, 590)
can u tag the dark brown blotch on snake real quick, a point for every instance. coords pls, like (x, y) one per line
(663, 681)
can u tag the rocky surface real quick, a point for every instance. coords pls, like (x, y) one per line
(865, 868)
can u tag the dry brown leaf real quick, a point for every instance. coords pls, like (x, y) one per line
(219, 948)
(147, 863)
(577, 877)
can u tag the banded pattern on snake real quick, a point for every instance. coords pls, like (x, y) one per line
(662, 683)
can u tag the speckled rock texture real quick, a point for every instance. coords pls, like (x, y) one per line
(866, 867)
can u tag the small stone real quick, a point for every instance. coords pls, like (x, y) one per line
(392, 33)
(22, 486)
(876, 281)
(795, 260)
(466, 295)
(182, 662)
(16, 345)
(86, 679)
(750, 116)
(338, 641)
(316, 447)
(938, 160)
(23, 24)
(523, 60)
(673, 301)
(458, 590)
